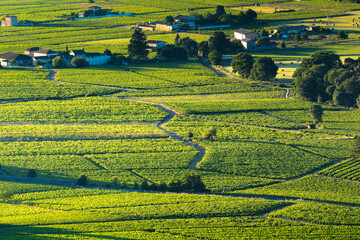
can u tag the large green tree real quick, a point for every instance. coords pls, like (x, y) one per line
(242, 64)
(316, 113)
(219, 42)
(190, 45)
(137, 46)
(264, 69)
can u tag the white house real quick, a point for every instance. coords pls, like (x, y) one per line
(97, 59)
(9, 21)
(243, 33)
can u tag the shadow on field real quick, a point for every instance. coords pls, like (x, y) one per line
(15, 232)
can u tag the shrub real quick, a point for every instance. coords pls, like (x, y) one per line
(32, 173)
(210, 133)
(215, 57)
(58, 62)
(79, 62)
(82, 180)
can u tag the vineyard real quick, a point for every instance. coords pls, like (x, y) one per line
(148, 148)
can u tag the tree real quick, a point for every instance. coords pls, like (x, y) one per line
(220, 10)
(328, 58)
(115, 181)
(210, 133)
(79, 62)
(215, 57)
(137, 46)
(91, 1)
(82, 180)
(37, 63)
(262, 41)
(192, 183)
(251, 15)
(176, 42)
(174, 53)
(190, 45)
(297, 37)
(342, 35)
(283, 45)
(264, 69)
(31, 173)
(58, 62)
(242, 64)
(306, 87)
(107, 52)
(219, 42)
(204, 48)
(169, 19)
(144, 185)
(316, 112)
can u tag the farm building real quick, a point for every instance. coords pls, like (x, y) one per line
(190, 20)
(248, 44)
(15, 59)
(78, 53)
(147, 27)
(289, 30)
(9, 21)
(155, 44)
(166, 26)
(40, 52)
(94, 59)
(97, 59)
(94, 11)
(243, 33)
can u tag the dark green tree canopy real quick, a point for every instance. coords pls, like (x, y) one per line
(264, 69)
(58, 62)
(174, 53)
(79, 62)
(316, 113)
(262, 41)
(242, 64)
(219, 42)
(328, 58)
(204, 48)
(190, 45)
(215, 57)
(220, 10)
(137, 46)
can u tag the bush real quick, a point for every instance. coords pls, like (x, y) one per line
(215, 57)
(115, 181)
(82, 180)
(174, 53)
(79, 62)
(210, 133)
(58, 62)
(32, 173)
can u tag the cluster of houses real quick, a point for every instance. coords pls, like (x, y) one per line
(248, 38)
(44, 57)
(170, 26)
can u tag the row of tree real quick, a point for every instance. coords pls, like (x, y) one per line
(184, 48)
(263, 69)
(324, 78)
(187, 183)
(221, 17)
